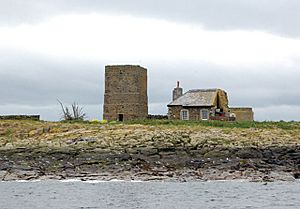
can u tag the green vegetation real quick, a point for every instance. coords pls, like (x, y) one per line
(225, 124)
(146, 133)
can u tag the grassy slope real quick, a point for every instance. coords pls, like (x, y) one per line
(147, 133)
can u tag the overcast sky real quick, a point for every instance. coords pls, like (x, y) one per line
(57, 49)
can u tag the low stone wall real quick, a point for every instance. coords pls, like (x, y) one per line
(157, 117)
(19, 117)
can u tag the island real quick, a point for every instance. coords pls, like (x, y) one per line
(149, 150)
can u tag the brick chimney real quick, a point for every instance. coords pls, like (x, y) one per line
(177, 92)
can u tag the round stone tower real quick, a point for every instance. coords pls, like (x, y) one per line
(125, 96)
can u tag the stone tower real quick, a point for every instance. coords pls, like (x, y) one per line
(125, 96)
(177, 92)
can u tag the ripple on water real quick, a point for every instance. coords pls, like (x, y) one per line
(121, 194)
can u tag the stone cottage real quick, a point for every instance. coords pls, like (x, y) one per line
(205, 104)
(125, 96)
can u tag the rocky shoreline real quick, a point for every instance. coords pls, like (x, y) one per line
(165, 164)
(44, 150)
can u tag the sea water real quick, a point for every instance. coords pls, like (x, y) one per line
(124, 194)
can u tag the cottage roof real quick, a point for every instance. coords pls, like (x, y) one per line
(196, 97)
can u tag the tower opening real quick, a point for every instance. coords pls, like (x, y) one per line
(120, 117)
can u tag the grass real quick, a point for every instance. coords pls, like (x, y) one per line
(9, 128)
(142, 133)
(225, 124)
(222, 124)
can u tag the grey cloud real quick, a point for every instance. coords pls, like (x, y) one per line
(36, 80)
(31, 82)
(48, 112)
(276, 16)
(245, 86)
(277, 113)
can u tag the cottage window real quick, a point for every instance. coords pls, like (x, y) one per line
(184, 115)
(204, 114)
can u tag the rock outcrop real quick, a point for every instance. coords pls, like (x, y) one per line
(140, 152)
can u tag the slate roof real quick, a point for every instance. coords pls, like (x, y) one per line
(196, 97)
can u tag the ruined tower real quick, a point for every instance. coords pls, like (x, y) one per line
(125, 96)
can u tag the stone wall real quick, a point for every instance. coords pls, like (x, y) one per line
(243, 113)
(125, 92)
(157, 117)
(194, 112)
(19, 117)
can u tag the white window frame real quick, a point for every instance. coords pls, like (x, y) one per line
(201, 114)
(184, 117)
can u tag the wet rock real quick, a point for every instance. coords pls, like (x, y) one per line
(249, 153)
(155, 178)
(195, 163)
(296, 175)
(294, 155)
(153, 158)
(217, 154)
(166, 149)
(173, 163)
(281, 176)
(10, 177)
(147, 151)
(25, 174)
(2, 175)
(169, 154)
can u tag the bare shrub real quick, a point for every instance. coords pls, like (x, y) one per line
(73, 113)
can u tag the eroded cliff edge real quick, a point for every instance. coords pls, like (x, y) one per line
(43, 150)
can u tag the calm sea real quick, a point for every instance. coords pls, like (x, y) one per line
(92, 195)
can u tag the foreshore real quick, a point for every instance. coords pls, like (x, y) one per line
(42, 150)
